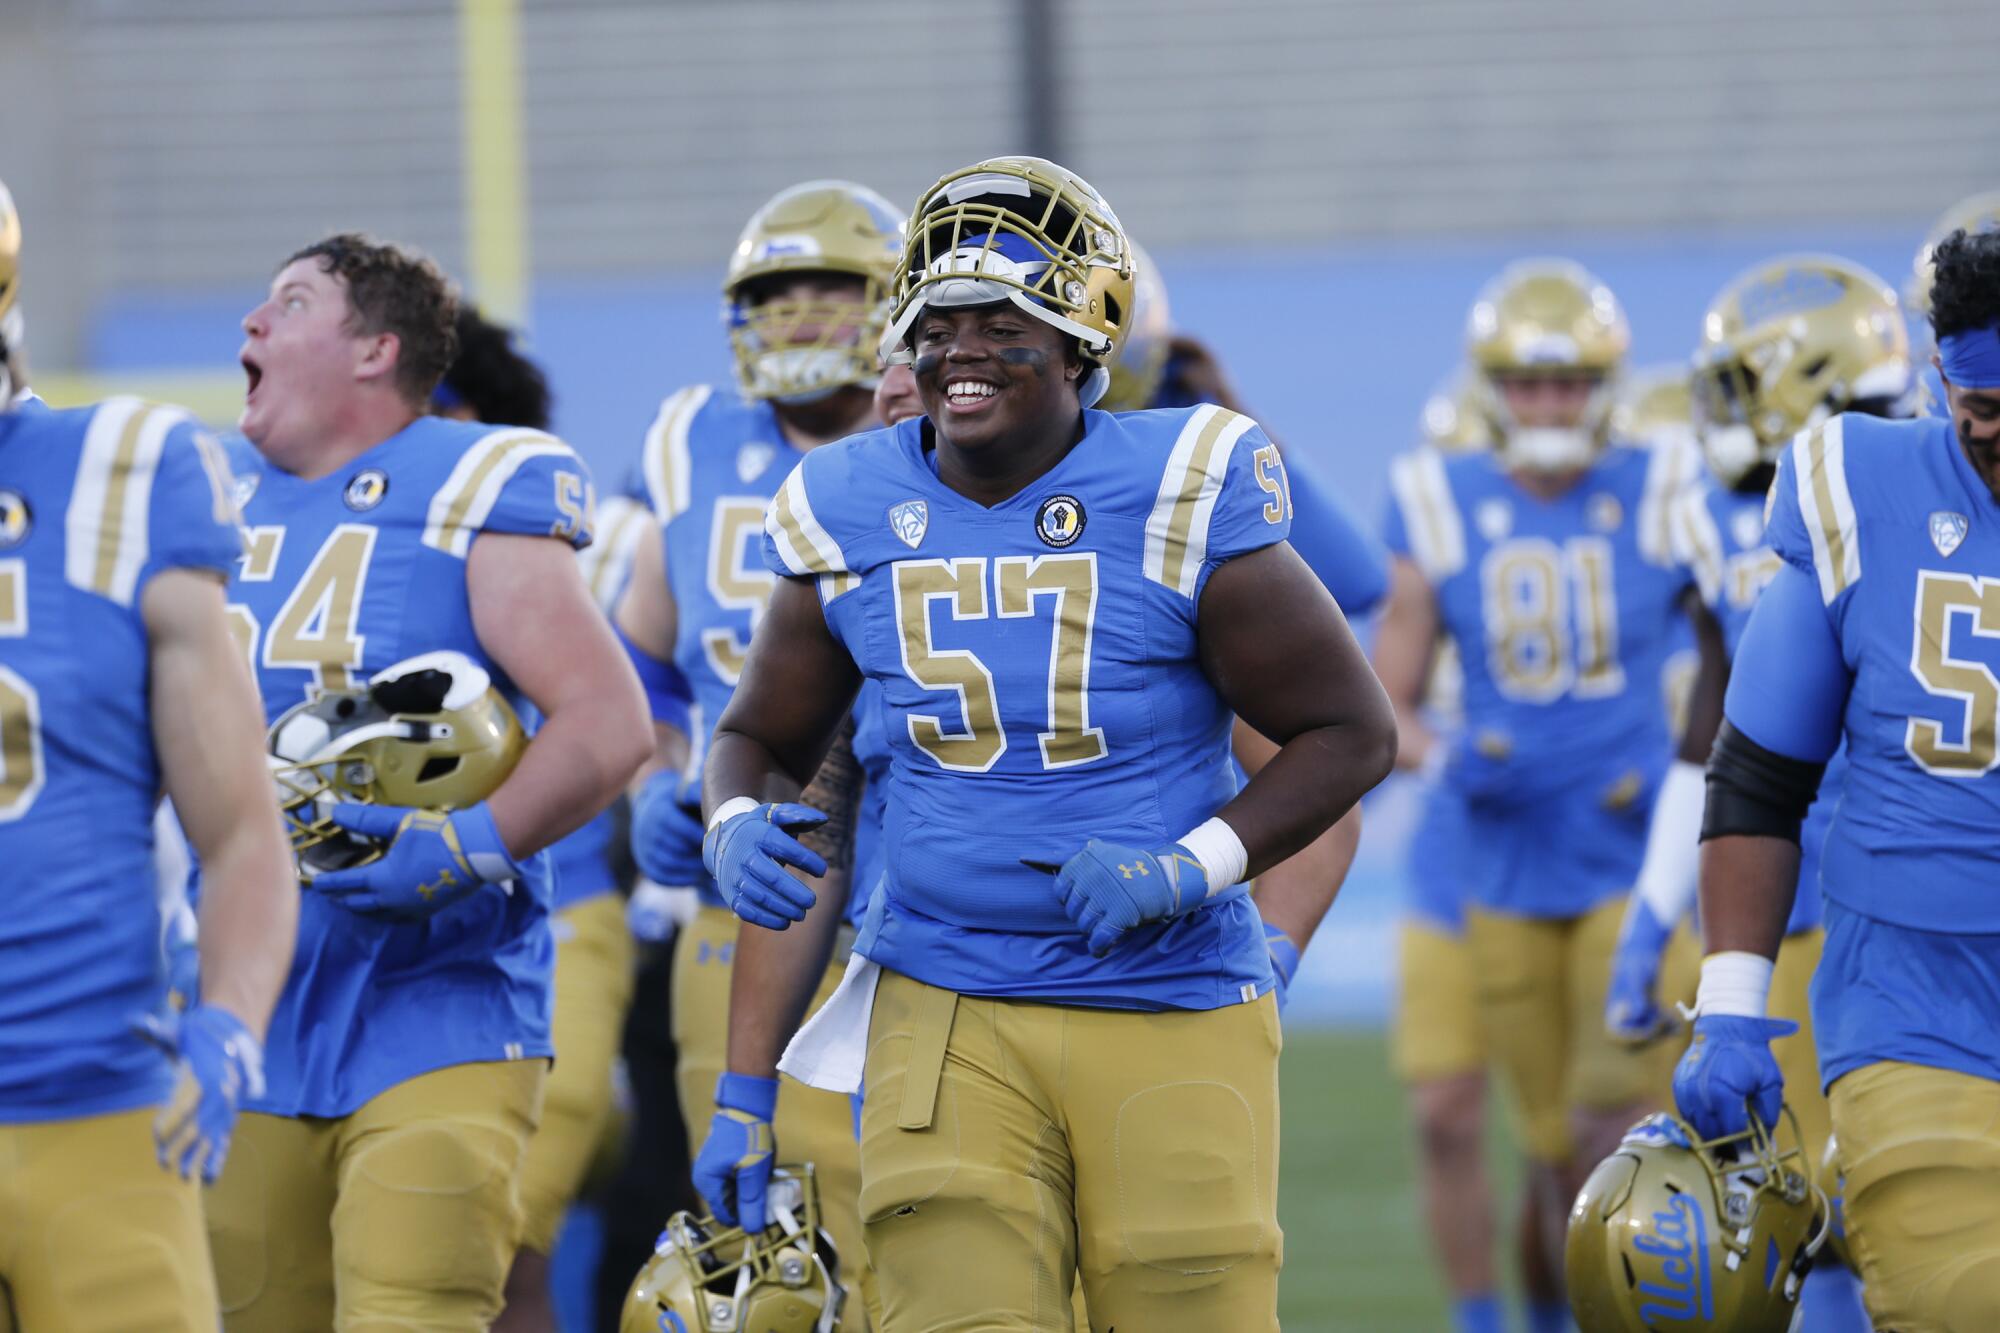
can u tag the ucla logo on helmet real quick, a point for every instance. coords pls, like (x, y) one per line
(366, 490)
(909, 521)
(15, 519)
(1059, 521)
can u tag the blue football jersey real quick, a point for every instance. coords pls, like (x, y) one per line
(1038, 667)
(1564, 612)
(93, 503)
(871, 751)
(1719, 537)
(345, 576)
(1348, 560)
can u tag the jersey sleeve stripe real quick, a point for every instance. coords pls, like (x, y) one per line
(1177, 529)
(621, 522)
(468, 495)
(1422, 492)
(807, 547)
(1668, 471)
(1699, 543)
(1819, 461)
(665, 456)
(106, 528)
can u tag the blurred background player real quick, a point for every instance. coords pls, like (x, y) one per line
(490, 381)
(805, 300)
(1546, 562)
(409, 579)
(1654, 406)
(1785, 346)
(1975, 213)
(1876, 629)
(118, 678)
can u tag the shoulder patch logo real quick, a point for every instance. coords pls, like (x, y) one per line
(15, 519)
(246, 486)
(1749, 529)
(752, 459)
(1604, 512)
(1059, 521)
(909, 521)
(367, 490)
(1947, 530)
(1494, 518)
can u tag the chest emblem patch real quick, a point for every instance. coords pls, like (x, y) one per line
(1494, 519)
(752, 459)
(366, 490)
(909, 520)
(1059, 521)
(1605, 513)
(15, 519)
(1947, 530)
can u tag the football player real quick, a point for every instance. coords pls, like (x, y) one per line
(398, 563)
(1979, 212)
(1875, 629)
(118, 678)
(1060, 991)
(1546, 563)
(806, 297)
(492, 382)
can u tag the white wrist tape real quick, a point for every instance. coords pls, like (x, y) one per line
(1221, 853)
(1733, 983)
(731, 808)
(1668, 876)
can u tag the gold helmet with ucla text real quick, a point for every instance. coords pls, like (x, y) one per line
(1673, 1232)
(708, 1278)
(1654, 404)
(430, 731)
(798, 350)
(1453, 419)
(1785, 345)
(1552, 318)
(1142, 356)
(10, 288)
(1976, 213)
(1024, 230)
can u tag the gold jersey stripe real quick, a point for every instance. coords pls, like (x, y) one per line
(469, 493)
(1819, 460)
(804, 556)
(110, 530)
(107, 524)
(665, 459)
(1191, 484)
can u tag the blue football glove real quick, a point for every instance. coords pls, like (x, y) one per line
(748, 853)
(434, 859)
(666, 829)
(1631, 1013)
(1108, 889)
(1284, 959)
(220, 1064)
(1730, 1074)
(733, 1170)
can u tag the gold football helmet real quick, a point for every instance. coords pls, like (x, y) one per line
(800, 350)
(1454, 418)
(708, 1278)
(1547, 317)
(10, 288)
(1142, 357)
(1979, 212)
(1025, 230)
(1787, 344)
(430, 731)
(1653, 403)
(1714, 1237)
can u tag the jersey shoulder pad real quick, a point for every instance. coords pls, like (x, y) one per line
(1425, 522)
(152, 491)
(1222, 492)
(1696, 539)
(1668, 467)
(507, 479)
(820, 522)
(1811, 520)
(666, 459)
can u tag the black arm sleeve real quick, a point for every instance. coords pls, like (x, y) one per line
(1755, 792)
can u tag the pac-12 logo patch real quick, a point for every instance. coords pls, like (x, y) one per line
(15, 519)
(909, 521)
(1059, 521)
(752, 459)
(1947, 530)
(366, 490)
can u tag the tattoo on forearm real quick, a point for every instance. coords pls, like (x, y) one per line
(836, 790)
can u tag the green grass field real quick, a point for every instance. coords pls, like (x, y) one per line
(1357, 1259)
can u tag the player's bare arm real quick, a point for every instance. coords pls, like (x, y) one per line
(209, 730)
(1704, 715)
(1296, 894)
(1263, 617)
(534, 616)
(1405, 645)
(647, 616)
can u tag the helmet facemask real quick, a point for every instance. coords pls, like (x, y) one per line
(799, 351)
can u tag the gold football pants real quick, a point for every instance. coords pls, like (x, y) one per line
(95, 1235)
(593, 988)
(1435, 1031)
(407, 1208)
(1008, 1147)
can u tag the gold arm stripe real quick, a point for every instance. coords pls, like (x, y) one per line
(805, 546)
(1819, 465)
(1422, 491)
(463, 504)
(621, 522)
(1670, 471)
(1177, 529)
(665, 456)
(1698, 543)
(107, 532)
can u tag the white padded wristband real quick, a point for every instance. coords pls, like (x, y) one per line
(1737, 984)
(731, 808)
(1668, 876)
(1221, 853)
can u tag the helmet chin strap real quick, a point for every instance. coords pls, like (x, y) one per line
(1549, 448)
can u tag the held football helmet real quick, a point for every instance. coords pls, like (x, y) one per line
(1546, 317)
(1712, 1236)
(10, 288)
(430, 731)
(1453, 419)
(1025, 230)
(708, 1278)
(1142, 357)
(1787, 344)
(800, 350)
(1654, 404)
(1980, 212)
